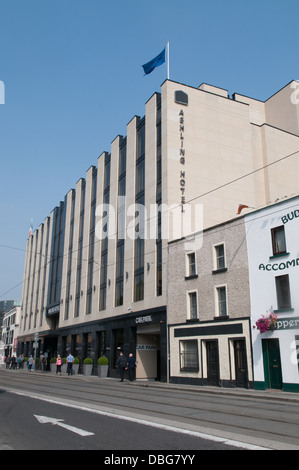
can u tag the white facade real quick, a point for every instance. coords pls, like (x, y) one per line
(273, 260)
(10, 331)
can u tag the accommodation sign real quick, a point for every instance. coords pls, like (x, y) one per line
(279, 266)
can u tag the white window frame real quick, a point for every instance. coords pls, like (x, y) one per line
(217, 309)
(215, 258)
(188, 263)
(193, 291)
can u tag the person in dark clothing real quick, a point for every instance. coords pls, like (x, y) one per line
(122, 364)
(131, 366)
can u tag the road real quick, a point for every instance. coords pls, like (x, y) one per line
(45, 411)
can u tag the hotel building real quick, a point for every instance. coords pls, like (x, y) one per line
(96, 269)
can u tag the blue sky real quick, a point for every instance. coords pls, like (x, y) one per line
(73, 80)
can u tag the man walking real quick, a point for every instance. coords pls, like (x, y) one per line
(131, 366)
(70, 360)
(122, 364)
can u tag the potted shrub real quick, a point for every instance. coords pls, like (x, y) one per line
(63, 365)
(103, 364)
(76, 365)
(87, 366)
(53, 364)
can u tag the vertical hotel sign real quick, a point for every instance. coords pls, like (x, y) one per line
(182, 98)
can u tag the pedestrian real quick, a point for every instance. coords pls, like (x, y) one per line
(43, 363)
(30, 363)
(70, 360)
(13, 362)
(58, 364)
(122, 364)
(8, 361)
(132, 364)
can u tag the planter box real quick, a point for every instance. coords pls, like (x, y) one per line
(75, 369)
(87, 369)
(53, 368)
(102, 371)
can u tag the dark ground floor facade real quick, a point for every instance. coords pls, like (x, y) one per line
(144, 334)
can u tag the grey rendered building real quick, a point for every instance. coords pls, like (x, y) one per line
(209, 308)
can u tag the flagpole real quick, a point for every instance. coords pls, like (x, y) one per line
(168, 60)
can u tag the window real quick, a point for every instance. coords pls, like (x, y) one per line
(278, 240)
(121, 218)
(191, 269)
(221, 301)
(139, 229)
(192, 298)
(219, 257)
(283, 291)
(104, 248)
(189, 355)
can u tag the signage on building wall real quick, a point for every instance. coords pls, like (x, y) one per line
(182, 155)
(291, 216)
(181, 97)
(53, 310)
(145, 319)
(279, 266)
(287, 323)
(146, 347)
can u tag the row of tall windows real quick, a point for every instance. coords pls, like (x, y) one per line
(80, 251)
(139, 228)
(36, 275)
(121, 226)
(104, 250)
(159, 202)
(57, 254)
(70, 252)
(91, 240)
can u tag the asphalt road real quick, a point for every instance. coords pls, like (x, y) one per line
(45, 411)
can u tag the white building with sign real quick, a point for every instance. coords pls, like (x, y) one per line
(273, 260)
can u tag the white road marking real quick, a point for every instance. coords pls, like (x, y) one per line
(58, 422)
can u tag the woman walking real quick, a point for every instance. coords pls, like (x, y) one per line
(58, 364)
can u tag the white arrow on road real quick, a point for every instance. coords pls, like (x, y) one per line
(58, 422)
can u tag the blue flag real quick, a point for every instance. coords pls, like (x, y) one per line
(152, 64)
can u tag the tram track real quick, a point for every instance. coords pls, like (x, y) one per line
(188, 408)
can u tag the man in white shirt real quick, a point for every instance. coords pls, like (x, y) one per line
(70, 360)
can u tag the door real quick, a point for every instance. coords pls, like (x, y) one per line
(212, 362)
(240, 363)
(272, 364)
